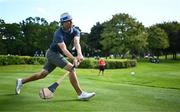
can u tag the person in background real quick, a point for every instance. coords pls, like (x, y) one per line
(102, 65)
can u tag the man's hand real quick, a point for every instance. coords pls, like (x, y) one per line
(80, 58)
(75, 62)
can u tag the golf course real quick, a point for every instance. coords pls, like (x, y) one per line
(151, 88)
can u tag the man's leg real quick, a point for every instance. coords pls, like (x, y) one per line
(102, 72)
(103, 67)
(74, 81)
(35, 76)
(73, 78)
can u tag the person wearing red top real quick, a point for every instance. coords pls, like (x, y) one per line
(102, 65)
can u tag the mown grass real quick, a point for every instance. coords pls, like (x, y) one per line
(153, 88)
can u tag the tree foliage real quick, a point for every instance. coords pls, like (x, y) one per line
(123, 34)
(172, 29)
(30, 35)
(157, 40)
(94, 39)
(120, 35)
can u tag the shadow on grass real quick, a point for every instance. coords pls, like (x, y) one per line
(70, 100)
(8, 94)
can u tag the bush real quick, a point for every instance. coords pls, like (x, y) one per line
(110, 64)
(87, 63)
(120, 64)
(16, 60)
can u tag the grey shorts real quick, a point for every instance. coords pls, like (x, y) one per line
(54, 59)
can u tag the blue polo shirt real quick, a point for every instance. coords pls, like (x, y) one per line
(61, 36)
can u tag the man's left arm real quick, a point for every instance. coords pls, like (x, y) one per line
(78, 48)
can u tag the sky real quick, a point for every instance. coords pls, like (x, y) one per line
(86, 13)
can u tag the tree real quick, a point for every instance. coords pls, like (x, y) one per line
(178, 40)
(30, 35)
(10, 33)
(123, 34)
(2, 44)
(94, 38)
(157, 40)
(172, 29)
(84, 44)
(35, 34)
(49, 33)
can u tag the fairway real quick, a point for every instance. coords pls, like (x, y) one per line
(153, 88)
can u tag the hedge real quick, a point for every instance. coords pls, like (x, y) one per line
(87, 63)
(16, 60)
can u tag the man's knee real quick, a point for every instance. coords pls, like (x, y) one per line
(69, 67)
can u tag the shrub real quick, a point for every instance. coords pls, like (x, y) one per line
(15, 60)
(120, 63)
(87, 63)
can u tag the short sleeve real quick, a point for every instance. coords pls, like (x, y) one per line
(76, 33)
(58, 37)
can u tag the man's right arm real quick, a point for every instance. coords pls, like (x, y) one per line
(64, 49)
(66, 52)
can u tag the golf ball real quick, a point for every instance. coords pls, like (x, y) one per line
(132, 73)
